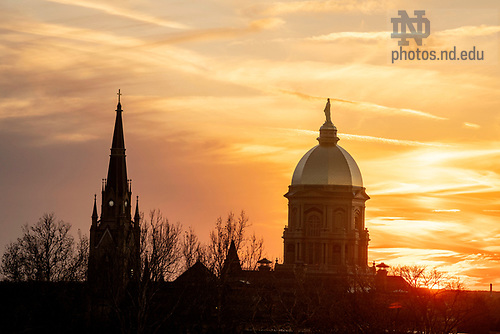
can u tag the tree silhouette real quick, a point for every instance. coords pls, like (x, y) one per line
(192, 249)
(46, 252)
(249, 248)
(161, 245)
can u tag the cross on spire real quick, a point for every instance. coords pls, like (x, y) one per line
(119, 95)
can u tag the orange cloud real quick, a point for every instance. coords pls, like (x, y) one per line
(376, 139)
(122, 12)
(350, 35)
(368, 106)
(469, 31)
(220, 33)
(290, 7)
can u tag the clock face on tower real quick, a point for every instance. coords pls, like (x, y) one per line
(111, 203)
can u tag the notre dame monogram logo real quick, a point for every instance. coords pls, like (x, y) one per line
(417, 33)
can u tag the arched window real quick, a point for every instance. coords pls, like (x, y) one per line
(313, 225)
(338, 218)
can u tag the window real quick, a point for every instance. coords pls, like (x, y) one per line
(357, 221)
(339, 219)
(313, 225)
(294, 221)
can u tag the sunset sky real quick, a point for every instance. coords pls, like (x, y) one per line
(222, 98)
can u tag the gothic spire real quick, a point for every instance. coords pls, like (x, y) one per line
(118, 141)
(137, 216)
(117, 172)
(94, 212)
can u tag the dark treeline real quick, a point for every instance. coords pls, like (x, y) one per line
(46, 251)
(186, 287)
(199, 302)
(170, 250)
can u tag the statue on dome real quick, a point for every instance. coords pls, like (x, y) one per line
(327, 112)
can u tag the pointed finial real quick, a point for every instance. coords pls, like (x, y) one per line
(94, 211)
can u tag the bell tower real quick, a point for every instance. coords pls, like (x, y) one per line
(114, 254)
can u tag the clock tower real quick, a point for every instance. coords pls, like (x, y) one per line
(114, 254)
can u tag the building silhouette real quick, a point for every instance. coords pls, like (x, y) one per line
(114, 251)
(326, 209)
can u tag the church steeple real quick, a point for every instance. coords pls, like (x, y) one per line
(117, 171)
(114, 252)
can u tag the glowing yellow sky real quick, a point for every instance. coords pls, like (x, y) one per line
(223, 97)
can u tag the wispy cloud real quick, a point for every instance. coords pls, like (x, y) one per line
(436, 172)
(471, 125)
(351, 35)
(399, 255)
(376, 139)
(368, 106)
(392, 141)
(290, 7)
(73, 137)
(120, 11)
(221, 33)
(411, 226)
(469, 31)
(364, 36)
(446, 210)
(70, 33)
(134, 51)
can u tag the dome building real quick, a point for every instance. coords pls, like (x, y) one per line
(326, 209)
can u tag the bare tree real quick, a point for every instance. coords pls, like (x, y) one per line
(192, 249)
(412, 274)
(253, 252)
(160, 244)
(249, 249)
(419, 276)
(13, 263)
(46, 252)
(232, 229)
(436, 303)
(79, 262)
